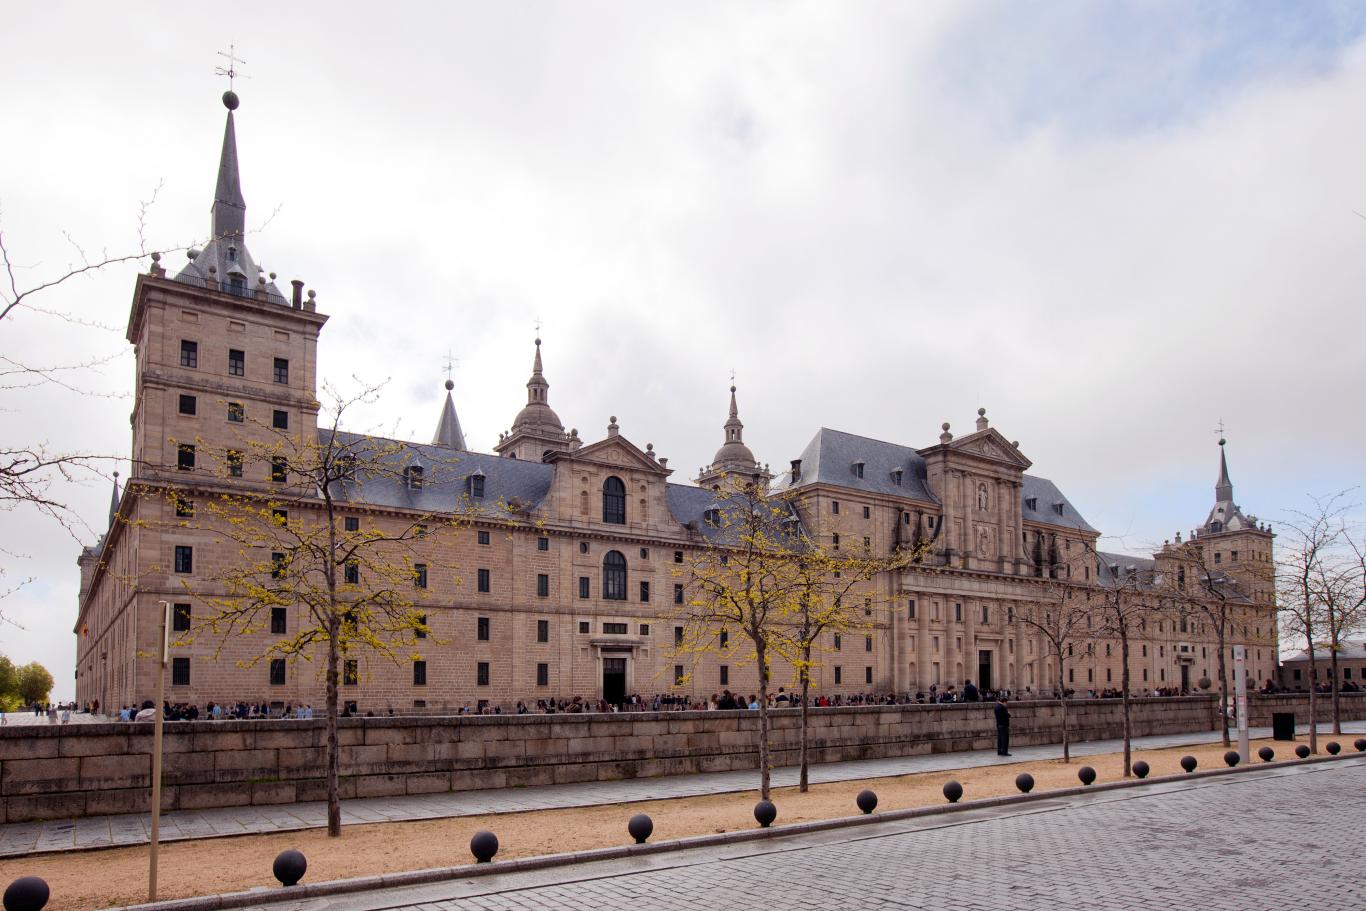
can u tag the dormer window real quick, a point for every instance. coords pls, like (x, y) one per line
(1032, 504)
(232, 254)
(858, 469)
(1058, 507)
(896, 477)
(477, 486)
(413, 476)
(712, 516)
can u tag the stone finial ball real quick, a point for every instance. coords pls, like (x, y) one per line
(953, 792)
(289, 867)
(1333, 748)
(230, 100)
(1086, 775)
(640, 827)
(866, 800)
(1231, 758)
(1204, 683)
(27, 893)
(1360, 745)
(1025, 782)
(1267, 754)
(1302, 751)
(764, 813)
(483, 846)
(1189, 763)
(1141, 769)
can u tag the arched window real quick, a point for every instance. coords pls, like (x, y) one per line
(614, 575)
(614, 502)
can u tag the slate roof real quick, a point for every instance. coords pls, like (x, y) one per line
(1350, 651)
(1047, 497)
(830, 456)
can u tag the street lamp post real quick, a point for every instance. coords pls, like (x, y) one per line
(158, 722)
(1240, 697)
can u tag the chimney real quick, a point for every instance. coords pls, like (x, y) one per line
(796, 470)
(298, 299)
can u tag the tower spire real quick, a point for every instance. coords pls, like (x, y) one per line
(114, 501)
(1223, 488)
(448, 432)
(229, 208)
(537, 388)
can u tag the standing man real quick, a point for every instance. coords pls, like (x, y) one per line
(1002, 727)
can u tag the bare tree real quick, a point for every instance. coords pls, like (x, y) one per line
(1063, 618)
(1122, 602)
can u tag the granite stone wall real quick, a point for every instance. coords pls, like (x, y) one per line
(89, 770)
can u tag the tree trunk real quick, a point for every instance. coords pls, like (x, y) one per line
(1062, 691)
(1124, 697)
(806, 688)
(1313, 699)
(333, 748)
(1223, 686)
(761, 661)
(1333, 677)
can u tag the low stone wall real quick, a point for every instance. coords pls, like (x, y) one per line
(89, 770)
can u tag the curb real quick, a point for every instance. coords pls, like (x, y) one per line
(267, 896)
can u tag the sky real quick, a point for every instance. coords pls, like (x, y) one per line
(1112, 225)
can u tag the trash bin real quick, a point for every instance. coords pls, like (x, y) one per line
(1282, 725)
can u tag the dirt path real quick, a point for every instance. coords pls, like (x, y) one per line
(83, 880)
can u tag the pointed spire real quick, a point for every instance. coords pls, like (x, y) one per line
(229, 208)
(734, 429)
(1223, 489)
(114, 501)
(537, 388)
(448, 431)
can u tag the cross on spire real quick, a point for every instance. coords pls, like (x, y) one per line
(231, 69)
(450, 363)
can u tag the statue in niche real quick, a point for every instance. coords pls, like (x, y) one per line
(982, 497)
(983, 542)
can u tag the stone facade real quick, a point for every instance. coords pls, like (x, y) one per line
(563, 580)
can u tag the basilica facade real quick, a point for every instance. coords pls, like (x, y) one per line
(564, 572)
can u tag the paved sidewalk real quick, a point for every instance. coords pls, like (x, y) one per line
(177, 825)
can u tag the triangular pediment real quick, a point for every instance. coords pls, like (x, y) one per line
(615, 452)
(990, 445)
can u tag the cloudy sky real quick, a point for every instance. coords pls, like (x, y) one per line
(1112, 225)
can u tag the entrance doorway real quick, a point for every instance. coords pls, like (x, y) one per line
(1185, 679)
(984, 669)
(614, 680)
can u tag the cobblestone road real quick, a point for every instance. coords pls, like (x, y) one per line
(1271, 839)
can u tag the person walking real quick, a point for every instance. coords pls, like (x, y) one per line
(1002, 727)
(970, 693)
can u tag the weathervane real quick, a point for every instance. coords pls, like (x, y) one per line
(231, 70)
(538, 327)
(732, 376)
(450, 363)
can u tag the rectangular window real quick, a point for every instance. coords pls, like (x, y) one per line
(180, 672)
(866, 512)
(583, 627)
(725, 639)
(867, 643)
(421, 629)
(482, 673)
(420, 575)
(678, 556)
(483, 580)
(277, 672)
(278, 621)
(482, 629)
(910, 609)
(281, 370)
(184, 509)
(678, 593)
(614, 629)
(189, 353)
(583, 587)
(237, 362)
(839, 675)
(419, 673)
(678, 636)
(725, 675)
(543, 544)
(542, 585)
(543, 675)
(645, 629)
(867, 675)
(644, 590)
(189, 405)
(834, 507)
(351, 523)
(184, 558)
(483, 537)
(236, 413)
(645, 553)
(420, 531)
(234, 463)
(986, 614)
(1233, 556)
(867, 542)
(835, 541)
(180, 618)
(678, 675)
(277, 565)
(1218, 557)
(279, 469)
(280, 516)
(839, 642)
(185, 457)
(351, 573)
(279, 419)
(350, 672)
(958, 612)
(542, 630)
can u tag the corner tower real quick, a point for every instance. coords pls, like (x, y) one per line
(1235, 543)
(734, 458)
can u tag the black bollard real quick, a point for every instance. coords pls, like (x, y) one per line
(866, 800)
(1267, 754)
(953, 791)
(1333, 748)
(290, 867)
(1188, 763)
(1302, 751)
(1025, 782)
(1231, 758)
(483, 846)
(1141, 769)
(1360, 744)
(764, 813)
(1087, 775)
(640, 827)
(27, 893)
